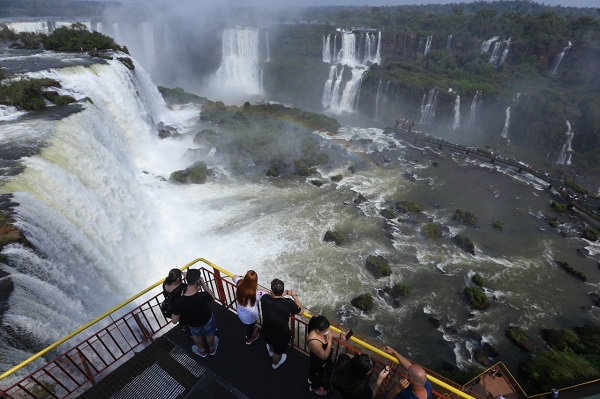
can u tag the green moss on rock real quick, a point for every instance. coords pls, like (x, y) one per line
(464, 243)
(408, 206)
(476, 298)
(333, 236)
(363, 302)
(432, 231)
(465, 217)
(521, 339)
(378, 266)
(195, 174)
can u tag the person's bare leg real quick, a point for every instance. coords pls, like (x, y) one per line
(199, 343)
(210, 339)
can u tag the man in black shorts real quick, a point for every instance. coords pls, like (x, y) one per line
(276, 312)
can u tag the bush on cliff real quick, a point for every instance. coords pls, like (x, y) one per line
(77, 37)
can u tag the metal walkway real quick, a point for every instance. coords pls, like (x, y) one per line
(168, 369)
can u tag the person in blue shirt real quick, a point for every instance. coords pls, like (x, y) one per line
(415, 386)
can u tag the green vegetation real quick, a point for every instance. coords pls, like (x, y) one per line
(561, 208)
(553, 368)
(363, 302)
(521, 339)
(26, 94)
(180, 96)
(571, 270)
(272, 136)
(432, 230)
(333, 236)
(78, 37)
(399, 290)
(408, 206)
(464, 243)
(336, 178)
(552, 221)
(378, 266)
(498, 225)
(476, 298)
(589, 234)
(388, 213)
(478, 280)
(195, 174)
(465, 217)
(9, 233)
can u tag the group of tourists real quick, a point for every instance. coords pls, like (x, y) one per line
(347, 377)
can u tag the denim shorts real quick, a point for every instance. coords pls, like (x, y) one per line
(207, 329)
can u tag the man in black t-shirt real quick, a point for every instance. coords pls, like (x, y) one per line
(276, 312)
(193, 307)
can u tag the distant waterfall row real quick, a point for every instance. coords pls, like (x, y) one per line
(499, 51)
(356, 51)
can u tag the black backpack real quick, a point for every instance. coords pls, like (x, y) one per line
(165, 306)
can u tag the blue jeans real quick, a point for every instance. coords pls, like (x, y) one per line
(207, 329)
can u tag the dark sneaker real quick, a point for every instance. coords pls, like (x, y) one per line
(198, 352)
(253, 338)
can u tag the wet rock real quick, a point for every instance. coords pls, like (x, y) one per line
(481, 357)
(166, 131)
(434, 322)
(333, 236)
(518, 336)
(363, 302)
(378, 266)
(359, 199)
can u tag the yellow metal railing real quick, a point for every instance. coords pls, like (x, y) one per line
(224, 297)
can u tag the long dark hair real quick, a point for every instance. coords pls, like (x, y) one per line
(319, 322)
(349, 376)
(174, 275)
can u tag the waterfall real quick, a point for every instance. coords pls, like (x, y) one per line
(327, 49)
(485, 46)
(559, 59)
(82, 205)
(564, 155)
(239, 75)
(477, 98)
(380, 98)
(268, 47)
(494, 56)
(427, 45)
(328, 87)
(339, 96)
(449, 41)
(506, 124)
(504, 52)
(428, 105)
(456, 118)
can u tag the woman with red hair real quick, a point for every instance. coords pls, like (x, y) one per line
(247, 298)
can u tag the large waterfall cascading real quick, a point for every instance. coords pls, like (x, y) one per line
(239, 75)
(81, 205)
(341, 96)
(428, 105)
(456, 112)
(558, 60)
(564, 155)
(504, 134)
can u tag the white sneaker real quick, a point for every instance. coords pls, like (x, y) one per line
(270, 351)
(283, 357)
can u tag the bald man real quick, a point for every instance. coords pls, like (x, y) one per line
(415, 386)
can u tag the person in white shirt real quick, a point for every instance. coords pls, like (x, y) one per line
(247, 298)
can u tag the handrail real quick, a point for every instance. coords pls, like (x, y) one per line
(102, 316)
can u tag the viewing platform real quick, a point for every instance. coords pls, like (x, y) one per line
(140, 354)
